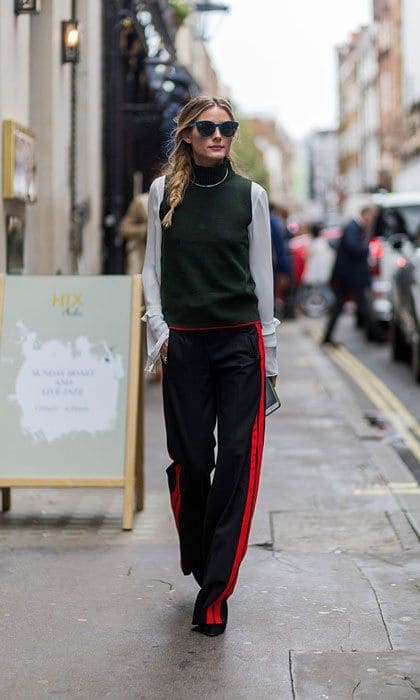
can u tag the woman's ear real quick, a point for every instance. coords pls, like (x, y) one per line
(186, 135)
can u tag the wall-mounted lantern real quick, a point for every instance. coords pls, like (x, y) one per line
(70, 41)
(27, 7)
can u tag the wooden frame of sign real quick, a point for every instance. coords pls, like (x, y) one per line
(133, 480)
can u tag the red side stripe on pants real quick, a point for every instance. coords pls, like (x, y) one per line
(213, 613)
(176, 496)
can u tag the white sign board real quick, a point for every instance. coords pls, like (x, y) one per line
(66, 372)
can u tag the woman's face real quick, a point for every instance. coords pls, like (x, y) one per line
(210, 150)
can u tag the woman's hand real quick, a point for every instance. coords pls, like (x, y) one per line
(164, 352)
(273, 380)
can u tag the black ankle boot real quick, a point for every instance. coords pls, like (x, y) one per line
(210, 630)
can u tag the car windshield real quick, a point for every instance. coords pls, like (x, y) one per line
(398, 220)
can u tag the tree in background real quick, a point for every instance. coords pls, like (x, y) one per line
(249, 157)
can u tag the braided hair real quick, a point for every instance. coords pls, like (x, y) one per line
(179, 168)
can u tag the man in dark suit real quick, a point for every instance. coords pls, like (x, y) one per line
(351, 276)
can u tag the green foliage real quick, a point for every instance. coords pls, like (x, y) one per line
(248, 156)
(180, 9)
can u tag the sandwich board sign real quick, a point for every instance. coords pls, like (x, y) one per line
(71, 384)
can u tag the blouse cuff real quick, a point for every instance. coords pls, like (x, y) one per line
(157, 333)
(271, 366)
(269, 332)
(270, 345)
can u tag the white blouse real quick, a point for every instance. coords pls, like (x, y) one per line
(259, 261)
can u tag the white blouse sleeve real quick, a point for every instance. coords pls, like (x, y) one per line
(260, 262)
(157, 328)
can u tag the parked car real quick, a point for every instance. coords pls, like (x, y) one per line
(397, 221)
(405, 322)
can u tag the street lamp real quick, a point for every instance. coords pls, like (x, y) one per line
(27, 7)
(70, 41)
(211, 7)
(205, 8)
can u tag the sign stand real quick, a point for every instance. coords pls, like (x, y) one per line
(133, 472)
(5, 492)
(132, 480)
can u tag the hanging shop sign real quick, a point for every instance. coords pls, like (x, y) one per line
(19, 166)
(27, 7)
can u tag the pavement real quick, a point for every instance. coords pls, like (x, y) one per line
(327, 603)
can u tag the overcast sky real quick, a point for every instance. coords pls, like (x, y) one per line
(277, 56)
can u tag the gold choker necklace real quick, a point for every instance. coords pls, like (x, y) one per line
(197, 184)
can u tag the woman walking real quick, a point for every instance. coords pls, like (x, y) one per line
(209, 309)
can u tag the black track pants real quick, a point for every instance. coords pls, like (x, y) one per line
(214, 375)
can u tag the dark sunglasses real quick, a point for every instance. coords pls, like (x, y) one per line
(207, 128)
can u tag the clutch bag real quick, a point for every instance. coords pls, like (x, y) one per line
(272, 401)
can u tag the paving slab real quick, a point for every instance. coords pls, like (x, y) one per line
(105, 621)
(393, 675)
(301, 472)
(334, 531)
(89, 515)
(303, 396)
(396, 582)
(318, 602)
(413, 517)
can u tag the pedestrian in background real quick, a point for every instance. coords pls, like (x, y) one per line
(288, 289)
(351, 276)
(281, 262)
(315, 295)
(209, 299)
(133, 228)
(319, 260)
(283, 215)
(300, 244)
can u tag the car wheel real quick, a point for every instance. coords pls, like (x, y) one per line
(359, 320)
(370, 331)
(399, 348)
(415, 360)
(374, 331)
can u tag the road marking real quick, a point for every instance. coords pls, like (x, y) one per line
(381, 397)
(388, 396)
(410, 488)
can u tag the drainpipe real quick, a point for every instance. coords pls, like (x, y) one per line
(75, 228)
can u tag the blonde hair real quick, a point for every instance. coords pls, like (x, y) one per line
(179, 168)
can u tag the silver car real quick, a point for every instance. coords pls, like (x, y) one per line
(396, 224)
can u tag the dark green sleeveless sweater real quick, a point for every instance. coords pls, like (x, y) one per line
(205, 275)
